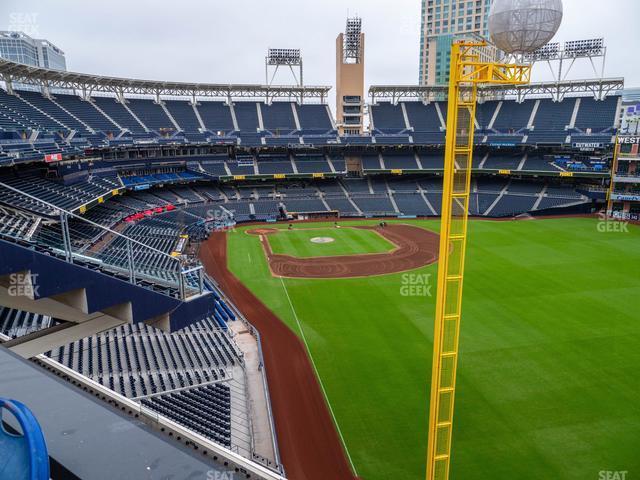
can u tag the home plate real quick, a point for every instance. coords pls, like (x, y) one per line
(322, 239)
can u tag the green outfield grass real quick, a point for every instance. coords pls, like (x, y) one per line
(548, 376)
(347, 241)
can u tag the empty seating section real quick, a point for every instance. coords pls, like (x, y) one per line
(498, 161)
(52, 109)
(312, 164)
(118, 113)
(151, 114)
(376, 204)
(281, 123)
(68, 197)
(14, 107)
(247, 116)
(158, 265)
(205, 410)
(550, 121)
(86, 112)
(17, 224)
(273, 165)
(138, 360)
(371, 162)
(513, 116)
(182, 375)
(491, 184)
(484, 114)
(554, 202)
(597, 115)
(278, 117)
(432, 160)
(524, 187)
(338, 164)
(314, 117)
(214, 168)
(479, 203)
(241, 167)
(182, 112)
(411, 204)
(304, 205)
(423, 118)
(511, 205)
(216, 117)
(16, 323)
(536, 163)
(341, 204)
(355, 185)
(401, 161)
(387, 117)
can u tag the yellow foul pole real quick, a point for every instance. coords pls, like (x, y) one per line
(614, 168)
(466, 72)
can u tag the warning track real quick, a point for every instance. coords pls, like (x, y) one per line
(309, 444)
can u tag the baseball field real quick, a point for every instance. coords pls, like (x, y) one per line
(548, 374)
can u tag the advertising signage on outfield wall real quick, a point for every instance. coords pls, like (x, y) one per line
(628, 140)
(625, 198)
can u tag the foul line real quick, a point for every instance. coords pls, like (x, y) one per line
(324, 392)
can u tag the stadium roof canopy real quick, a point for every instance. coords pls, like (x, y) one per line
(599, 88)
(12, 73)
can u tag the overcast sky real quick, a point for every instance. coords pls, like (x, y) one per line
(225, 41)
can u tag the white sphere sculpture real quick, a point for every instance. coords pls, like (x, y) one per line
(522, 26)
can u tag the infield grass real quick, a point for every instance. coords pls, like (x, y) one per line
(346, 241)
(548, 379)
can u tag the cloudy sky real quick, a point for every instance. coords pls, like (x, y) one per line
(225, 41)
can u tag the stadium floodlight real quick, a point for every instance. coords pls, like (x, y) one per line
(283, 57)
(584, 48)
(352, 40)
(551, 51)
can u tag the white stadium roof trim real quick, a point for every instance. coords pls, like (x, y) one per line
(17, 73)
(599, 88)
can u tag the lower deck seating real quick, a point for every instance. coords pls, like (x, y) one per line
(205, 410)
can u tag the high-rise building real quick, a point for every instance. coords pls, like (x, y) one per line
(444, 21)
(350, 79)
(21, 48)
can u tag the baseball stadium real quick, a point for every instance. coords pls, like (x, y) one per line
(265, 281)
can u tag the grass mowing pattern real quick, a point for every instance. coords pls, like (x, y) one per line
(347, 241)
(548, 375)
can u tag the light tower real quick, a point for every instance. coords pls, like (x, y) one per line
(283, 57)
(350, 78)
(517, 27)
